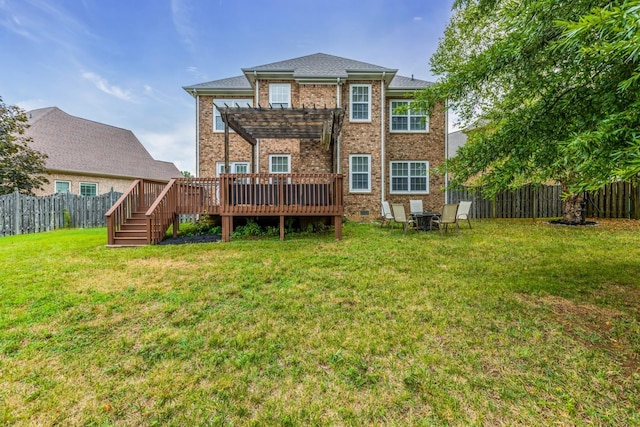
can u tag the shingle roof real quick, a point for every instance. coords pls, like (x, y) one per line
(401, 82)
(238, 82)
(78, 145)
(456, 140)
(320, 65)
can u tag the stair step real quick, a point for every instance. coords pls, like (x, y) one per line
(131, 233)
(129, 241)
(127, 226)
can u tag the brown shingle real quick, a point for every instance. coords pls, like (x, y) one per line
(78, 145)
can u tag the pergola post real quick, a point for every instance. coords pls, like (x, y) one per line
(226, 143)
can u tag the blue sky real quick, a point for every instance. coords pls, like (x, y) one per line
(124, 63)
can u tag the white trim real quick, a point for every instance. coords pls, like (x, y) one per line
(351, 87)
(87, 183)
(351, 189)
(409, 115)
(271, 156)
(382, 139)
(197, 136)
(392, 191)
(55, 184)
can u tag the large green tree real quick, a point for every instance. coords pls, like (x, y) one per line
(21, 167)
(551, 88)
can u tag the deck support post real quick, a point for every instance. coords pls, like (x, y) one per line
(281, 227)
(337, 225)
(176, 224)
(226, 234)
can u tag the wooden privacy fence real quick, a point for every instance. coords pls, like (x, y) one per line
(617, 200)
(20, 214)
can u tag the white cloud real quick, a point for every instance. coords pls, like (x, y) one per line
(417, 18)
(175, 145)
(181, 15)
(103, 85)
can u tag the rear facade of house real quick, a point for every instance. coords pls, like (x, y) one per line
(383, 154)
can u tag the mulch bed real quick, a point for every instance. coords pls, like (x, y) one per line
(181, 240)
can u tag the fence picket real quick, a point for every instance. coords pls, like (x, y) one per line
(616, 200)
(20, 214)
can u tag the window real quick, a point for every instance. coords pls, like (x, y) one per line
(411, 121)
(360, 173)
(410, 177)
(88, 189)
(280, 95)
(279, 163)
(360, 103)
(62, 186)
(218, 124)
(234, 167)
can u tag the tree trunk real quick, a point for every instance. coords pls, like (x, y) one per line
(572, 208)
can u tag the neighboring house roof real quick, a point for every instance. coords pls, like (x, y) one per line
(82, 146)
(456, 140)
(316, 67)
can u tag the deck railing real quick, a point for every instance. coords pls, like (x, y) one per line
(228, 195)
(137, 198)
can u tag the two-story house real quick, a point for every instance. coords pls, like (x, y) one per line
(383, 154)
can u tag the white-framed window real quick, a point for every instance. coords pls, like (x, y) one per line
(218, 124)
(410, 177)
(62, 186)
(360, 103)
(410, 121)
(280, 95)
(234, 167)
(280, 163)
(88, 189)
(360, 173)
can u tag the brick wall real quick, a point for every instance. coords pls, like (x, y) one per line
(355, 138)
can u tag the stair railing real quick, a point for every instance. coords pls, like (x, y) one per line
(138, 196)
(162, 213)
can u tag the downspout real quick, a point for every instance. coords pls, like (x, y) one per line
(256, 156)
(197, 133)
(382, 147)
(446, 152)
(338, 104)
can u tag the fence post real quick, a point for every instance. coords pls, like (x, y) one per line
(17, 223)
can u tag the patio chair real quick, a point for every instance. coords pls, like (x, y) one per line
(449, 216)
(416, 210)
(463, 212)
(400, 216)
(387, 215)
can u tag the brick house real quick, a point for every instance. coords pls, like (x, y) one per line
(86, 157)
(383, 154)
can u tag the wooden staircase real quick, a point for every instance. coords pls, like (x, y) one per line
(133, 232)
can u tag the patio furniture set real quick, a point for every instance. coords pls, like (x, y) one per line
(419, 219)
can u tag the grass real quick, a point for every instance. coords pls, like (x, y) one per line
(510, 323)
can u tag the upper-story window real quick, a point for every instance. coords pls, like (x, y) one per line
(280, 95)
(409, 121)
(360, 103)
(218, 124)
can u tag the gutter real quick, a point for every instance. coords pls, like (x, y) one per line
(197, 133)
(446, 152)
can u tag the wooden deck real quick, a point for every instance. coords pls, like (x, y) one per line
(229, 196)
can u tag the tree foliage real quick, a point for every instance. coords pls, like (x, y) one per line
(21, 167)
(551, 87)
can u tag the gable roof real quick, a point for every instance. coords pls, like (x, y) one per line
(311, 68)
(81, 146)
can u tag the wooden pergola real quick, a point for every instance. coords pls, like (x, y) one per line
(252, 124)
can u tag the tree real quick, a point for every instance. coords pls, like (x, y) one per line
(186, 174)
(20, 166)
(552, 88)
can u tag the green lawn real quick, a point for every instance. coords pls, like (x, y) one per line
(510, 323)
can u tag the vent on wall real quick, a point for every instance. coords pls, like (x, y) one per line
(364, 213)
